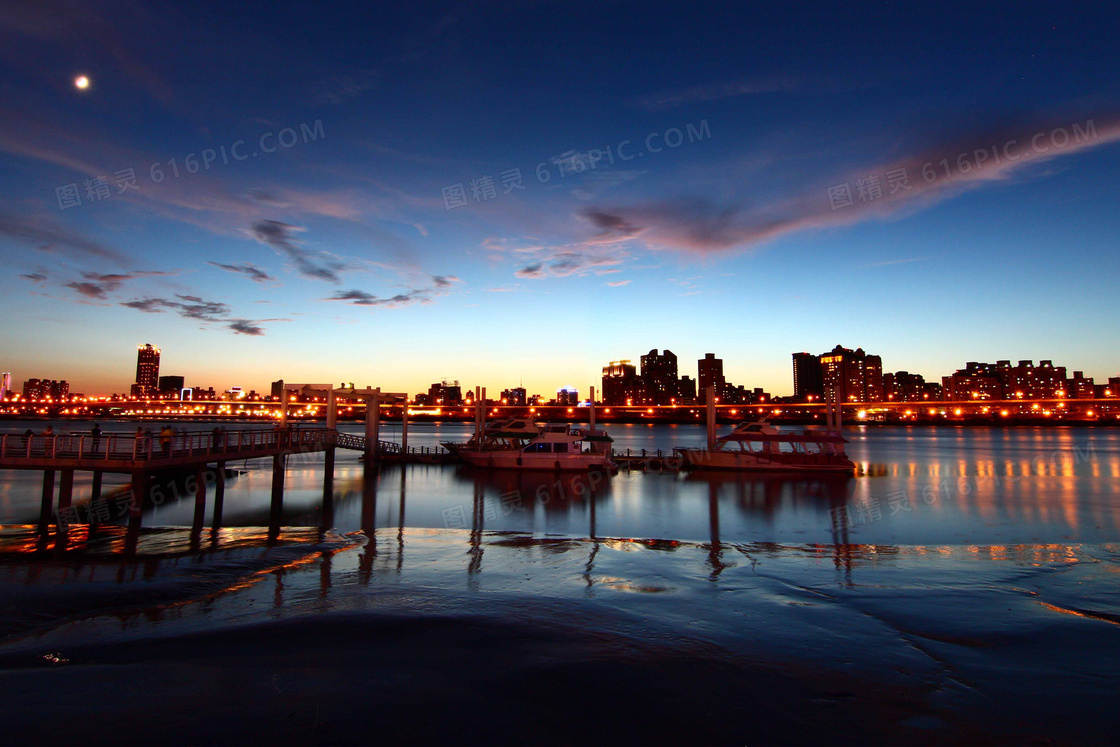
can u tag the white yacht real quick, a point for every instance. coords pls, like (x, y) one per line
(762, 447)
(555, 447)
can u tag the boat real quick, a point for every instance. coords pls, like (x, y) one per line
(555, 447)
(759, 446)
(501, 434)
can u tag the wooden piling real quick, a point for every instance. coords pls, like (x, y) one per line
(219, 496)
(276, 514)
(199, 500)
(66, 489)
(46, 507)
(327, 518)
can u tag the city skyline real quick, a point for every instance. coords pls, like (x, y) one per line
(661, 370)
(430, 195)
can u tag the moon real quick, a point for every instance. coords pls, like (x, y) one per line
(81, 82)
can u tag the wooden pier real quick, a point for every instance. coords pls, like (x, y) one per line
(194, 460)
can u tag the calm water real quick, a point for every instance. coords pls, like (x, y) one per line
(919, 486)
(962, 589)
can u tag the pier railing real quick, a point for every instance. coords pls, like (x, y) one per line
(151, 445)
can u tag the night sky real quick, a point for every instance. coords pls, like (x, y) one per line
(393, 195)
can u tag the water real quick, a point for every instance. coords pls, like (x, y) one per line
(962, 588)
(919, 486)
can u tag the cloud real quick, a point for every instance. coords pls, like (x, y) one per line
(100, 285)
(280, 236)
(980, 158)
(613, 227)
(445, 281)
(246, 327)
(148, 305)
(195, 307)
(253, 272)
(620, 283)
(47, 236)
(89, 290)
(361, 298)
(531, 271)
(565, 263)
(35, 277)
(440, 286)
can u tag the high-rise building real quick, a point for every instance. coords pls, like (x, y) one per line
(976, 381)
(32, 389)
(39, 389)
(1080, 386)
(171, 386)
(807, 378)
(710, 370)
(903, 386)
(567, 395)
(851, 375)
(621, 384)
(659, 372)
(515, 396)
(1004, 381)
(5, 385)
(147, 372)
(686, 390)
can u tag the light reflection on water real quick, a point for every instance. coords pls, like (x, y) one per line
(919, 486)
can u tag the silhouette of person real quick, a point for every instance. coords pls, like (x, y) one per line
(96, 432)
(165, 437)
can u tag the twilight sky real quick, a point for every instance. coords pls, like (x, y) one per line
(395, 194)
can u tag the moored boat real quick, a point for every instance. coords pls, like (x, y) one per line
(555, 447)
(501, 434)
(760, 446)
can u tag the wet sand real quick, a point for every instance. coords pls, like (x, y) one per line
(445, 636)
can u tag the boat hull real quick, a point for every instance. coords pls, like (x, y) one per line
(747, 461)
(552, 462)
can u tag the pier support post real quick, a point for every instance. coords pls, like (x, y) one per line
(199, 501)
(327, 519)
(95, 492)
(46, 508)
(276, 514)
(283, 404)
(592, 415)
(710, 396)
(373, 424)
(332, 416)
(404, 426)
(140, 482)
(219, 496)
(482, 414)
(66, 489)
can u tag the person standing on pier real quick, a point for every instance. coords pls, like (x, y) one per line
(96, 433)
(165, 437)
(216, 439)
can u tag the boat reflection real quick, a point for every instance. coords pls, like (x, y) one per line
(530, 491)
(769, 494)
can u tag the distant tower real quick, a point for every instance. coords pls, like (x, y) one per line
(5, 385)
(147, 371)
